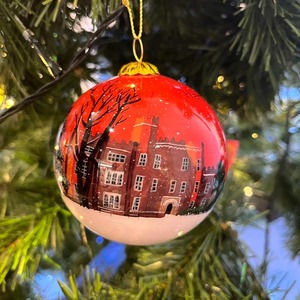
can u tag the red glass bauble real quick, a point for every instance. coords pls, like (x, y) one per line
(140, 158)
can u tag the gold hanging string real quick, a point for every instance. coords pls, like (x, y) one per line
(136, 37)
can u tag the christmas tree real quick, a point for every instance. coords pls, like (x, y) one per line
(242, 56)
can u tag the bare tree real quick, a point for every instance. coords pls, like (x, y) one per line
(114, 101)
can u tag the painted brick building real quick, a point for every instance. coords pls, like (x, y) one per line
(149, 177)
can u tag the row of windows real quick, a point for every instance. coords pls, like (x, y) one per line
(203, 202)
(138, 186)
(116, 157)
(139, 180)
(112, 200)
(172, 187)
(116, 178)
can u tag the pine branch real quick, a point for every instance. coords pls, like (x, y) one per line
(210, 265)
(76, 61)
(268, 35)
(23, 241)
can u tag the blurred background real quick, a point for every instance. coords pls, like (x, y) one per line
(243, 57)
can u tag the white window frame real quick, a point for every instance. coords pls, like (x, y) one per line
(138, 183)
(157, 161)
(105, 200)
(183, 187)
(116, 157)
(185, 164)
(136, 204)
(143, 160)
(192, 203)
(114, 178)
(120, 179)
(154, 185)
(117, 202)
(111, 200)
(172, 186)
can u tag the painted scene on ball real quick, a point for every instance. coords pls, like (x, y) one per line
(120, 152)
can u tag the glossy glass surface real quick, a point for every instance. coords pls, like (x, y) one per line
(142, 149)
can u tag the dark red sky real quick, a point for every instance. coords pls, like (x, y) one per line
(182, 113)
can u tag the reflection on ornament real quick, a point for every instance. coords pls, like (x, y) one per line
(140, 159)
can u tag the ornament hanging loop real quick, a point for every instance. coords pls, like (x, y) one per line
(136, 37)
(138, 59)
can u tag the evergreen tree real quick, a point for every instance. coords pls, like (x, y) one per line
(237, 54)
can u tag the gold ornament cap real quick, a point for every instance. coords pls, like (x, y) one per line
(138, 68)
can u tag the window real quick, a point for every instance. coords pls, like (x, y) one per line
(172, 186)
(198, 164)
(117, 202)
(182, 187)
(108, 178)
(203, 202)
(157, 161)
(114, 178)
(192, 204)
(136, 203)
(196, 188)
(111, 200)
(120, 179)
(154, 185)
(143, 159)
(138, 185)
(105, 200)
(185, 164)
(207, 186)
(116, 157)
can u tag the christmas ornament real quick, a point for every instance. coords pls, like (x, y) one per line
(140, 158)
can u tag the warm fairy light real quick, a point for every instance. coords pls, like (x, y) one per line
(254, 135)
(59, 178)
(180, 233)
(248, 192)
(6, 177)
(56, 147)
(251, 207)
(132, 86)
(9, 103)
(220, 79)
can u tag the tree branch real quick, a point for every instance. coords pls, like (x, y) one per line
(77, 60)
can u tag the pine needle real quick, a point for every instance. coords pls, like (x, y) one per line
(23, 240)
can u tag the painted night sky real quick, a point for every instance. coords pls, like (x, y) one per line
(183, 114)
